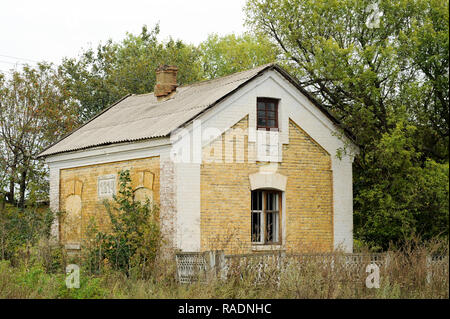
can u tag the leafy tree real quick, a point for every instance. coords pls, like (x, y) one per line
(34, 111)
(405, 196)
(102, 76)
(388, 84)
(426, 47)
(233, 53)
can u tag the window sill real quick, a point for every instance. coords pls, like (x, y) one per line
(268, 129)
(265, 247)
(72, 246)
(101, 199)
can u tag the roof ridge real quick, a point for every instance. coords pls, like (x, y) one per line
(191, 104)
(229, 75)
(212, 80)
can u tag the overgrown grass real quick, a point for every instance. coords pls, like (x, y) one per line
(404, 277)
(127, 263)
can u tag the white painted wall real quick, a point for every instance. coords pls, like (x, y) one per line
(54, 200)
(188, 206)
(343, 203)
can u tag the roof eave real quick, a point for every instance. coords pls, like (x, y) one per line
(316, 103)
(78, 128)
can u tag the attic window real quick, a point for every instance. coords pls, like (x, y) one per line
(267, 114)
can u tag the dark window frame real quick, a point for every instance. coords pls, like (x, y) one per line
(266, 101)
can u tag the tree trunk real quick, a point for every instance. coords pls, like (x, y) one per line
(10, 194)
(23, 185)
(2, 201)
(12, 181)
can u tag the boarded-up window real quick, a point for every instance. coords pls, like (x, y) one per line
(106, 186)
(142, 182)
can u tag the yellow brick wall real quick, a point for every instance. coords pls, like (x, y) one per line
(225, 196)
(86, 186)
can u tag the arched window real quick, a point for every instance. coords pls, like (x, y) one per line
(265, 215)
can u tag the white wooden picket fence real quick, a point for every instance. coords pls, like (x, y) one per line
(195, 266)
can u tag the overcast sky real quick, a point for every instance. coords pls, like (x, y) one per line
(50, 30)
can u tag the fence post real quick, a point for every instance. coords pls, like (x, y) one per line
(387, 262)
(220, 264)
(387, 259)
(211, 264)
(281, 259)
(177, 262)
(429, 270)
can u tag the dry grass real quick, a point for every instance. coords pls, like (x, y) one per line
(405, 276)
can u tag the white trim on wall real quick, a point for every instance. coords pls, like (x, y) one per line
(108, 157)
(268, 181)
(54, 174)
(100, 153)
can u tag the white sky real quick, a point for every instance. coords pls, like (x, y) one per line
(50, 30)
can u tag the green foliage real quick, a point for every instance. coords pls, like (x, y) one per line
(232, 53)
(408, 199)
(35, 282)
(90, 288)
(132, 244)
(426, 46)
(389, 86)
(100, 77)
(20, 229)
(34, 111)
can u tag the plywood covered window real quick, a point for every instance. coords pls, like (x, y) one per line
(106, 186)
(265, 215)
(267, 114)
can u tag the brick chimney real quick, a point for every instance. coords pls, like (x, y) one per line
(166, 81)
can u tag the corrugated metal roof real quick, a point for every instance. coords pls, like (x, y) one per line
(138, 117)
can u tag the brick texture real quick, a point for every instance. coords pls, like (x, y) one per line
(226, 193)
(82, 182)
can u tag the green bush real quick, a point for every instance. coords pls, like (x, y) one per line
(134, 239)
(90, 288)
(21, 229)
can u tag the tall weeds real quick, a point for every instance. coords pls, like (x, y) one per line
(125, 263)
(132, 243)
(405, 275)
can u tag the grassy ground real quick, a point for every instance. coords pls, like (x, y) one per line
(32, 268)
(405, 277)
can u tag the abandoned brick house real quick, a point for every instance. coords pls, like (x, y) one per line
(246, 162)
